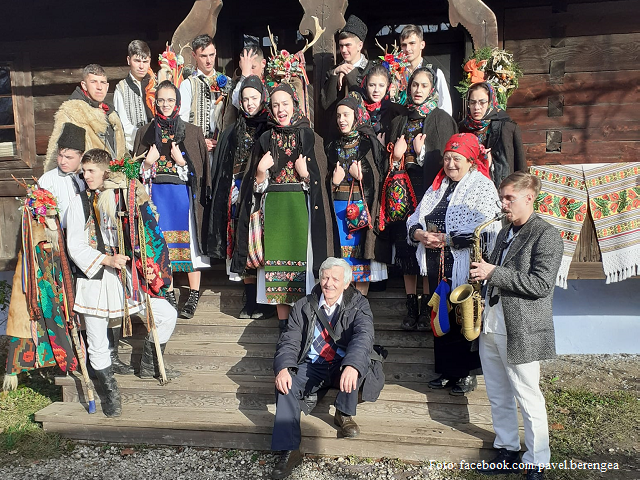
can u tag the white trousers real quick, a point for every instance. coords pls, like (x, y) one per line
(506, 384)
(98, 344)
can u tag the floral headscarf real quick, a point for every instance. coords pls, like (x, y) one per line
(467, 145)
(168, 126)
(298, 118)
(479, 127)
(430, 103)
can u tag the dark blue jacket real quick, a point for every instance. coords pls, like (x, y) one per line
(354, 327)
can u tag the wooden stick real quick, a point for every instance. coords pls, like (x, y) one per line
(156, 341)
(83, 367)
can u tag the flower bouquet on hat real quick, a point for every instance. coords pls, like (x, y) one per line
(396, 64)
(495, 66)
(171, 66)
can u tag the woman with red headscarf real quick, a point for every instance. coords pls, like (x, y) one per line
(461, 197)
(174, 169)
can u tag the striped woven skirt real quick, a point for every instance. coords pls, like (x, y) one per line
(285, 276)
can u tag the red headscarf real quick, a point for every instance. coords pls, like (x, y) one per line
(467, 145)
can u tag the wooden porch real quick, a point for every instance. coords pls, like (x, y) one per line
(225, 397)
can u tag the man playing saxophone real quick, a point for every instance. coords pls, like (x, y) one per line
(461, 198)
(520, 278)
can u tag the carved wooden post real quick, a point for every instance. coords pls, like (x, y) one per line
(330, 13)
(478, 19)
(203, 18)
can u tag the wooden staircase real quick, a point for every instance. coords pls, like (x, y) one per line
(225, 396)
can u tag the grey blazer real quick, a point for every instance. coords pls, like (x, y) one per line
(526, 280)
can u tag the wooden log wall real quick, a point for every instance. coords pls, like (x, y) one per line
(579, 99)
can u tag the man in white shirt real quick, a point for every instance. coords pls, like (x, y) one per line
(134, 96)
(65, 181)
(204, 93)
(518, 327)
(412, 43)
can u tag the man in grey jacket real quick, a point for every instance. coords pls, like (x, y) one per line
(328, 342)
(518, 326)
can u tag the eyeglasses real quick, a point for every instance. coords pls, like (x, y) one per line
(166, 101)
(482, 103)
(507, 202)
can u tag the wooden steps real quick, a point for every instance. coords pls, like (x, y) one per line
(225, 396)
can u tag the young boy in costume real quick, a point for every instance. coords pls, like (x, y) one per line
(412, 43)
(201, 93)
(94, 241)
(351, 71)
(134, 97)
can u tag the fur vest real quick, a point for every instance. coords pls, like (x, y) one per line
(95, 123)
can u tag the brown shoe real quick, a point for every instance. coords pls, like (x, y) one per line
(289, 459)
(347, 425)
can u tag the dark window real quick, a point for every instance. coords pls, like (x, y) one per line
(7, 117)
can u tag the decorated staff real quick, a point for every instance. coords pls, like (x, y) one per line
(40, 312)
(101, 249)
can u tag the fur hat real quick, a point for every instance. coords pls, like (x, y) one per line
(72, 136)
(356, 26)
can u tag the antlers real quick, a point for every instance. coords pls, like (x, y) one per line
(274, 47)
(316, 36)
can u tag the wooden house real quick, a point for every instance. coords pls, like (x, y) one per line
(577, 103)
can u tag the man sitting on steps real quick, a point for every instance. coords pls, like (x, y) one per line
(328, 341)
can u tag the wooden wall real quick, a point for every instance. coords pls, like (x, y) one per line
(579, 99)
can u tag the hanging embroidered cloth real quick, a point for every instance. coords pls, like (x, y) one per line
(612, 193)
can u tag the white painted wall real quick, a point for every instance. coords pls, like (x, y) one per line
(593, 317)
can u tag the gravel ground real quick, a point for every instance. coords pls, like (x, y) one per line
(120, 463)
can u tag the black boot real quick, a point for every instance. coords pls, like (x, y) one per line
(250, 290)
(189, 309)
(117, 365)
(149, 366)
(424, 319)
(464, 385)
(263, 312)
(112, 406)
(170, 296)
(289, 459)
(410, 321)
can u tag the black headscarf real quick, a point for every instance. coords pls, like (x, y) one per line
(260, 117)
(361, 119)
(171, 125)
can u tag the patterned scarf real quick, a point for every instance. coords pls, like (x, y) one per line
(467, 145)
(257, 121)
(430, 103)
(480, 127)
(298, 118)
(361, 118)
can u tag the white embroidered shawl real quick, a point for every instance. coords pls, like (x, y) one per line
(474, 201)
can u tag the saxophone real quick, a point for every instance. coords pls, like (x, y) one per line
(467, 297)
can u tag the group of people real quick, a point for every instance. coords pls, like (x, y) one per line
(233, 172)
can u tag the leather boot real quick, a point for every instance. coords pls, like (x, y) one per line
(112, 405)
(149, 366)
(348, 426)
(464, 385)
(506, 461)
(189, 309)
(289, 459)
(250, 290)
(424, 319)
(170, 296)
(411, 318)
(117, 365)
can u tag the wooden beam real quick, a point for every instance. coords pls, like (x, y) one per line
(478, 19)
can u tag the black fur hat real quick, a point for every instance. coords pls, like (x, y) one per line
(72, 136)
(356, 26)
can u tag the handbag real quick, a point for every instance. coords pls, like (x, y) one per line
(357, 214)
(398, 198)
(255, 250)
(439, 303)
